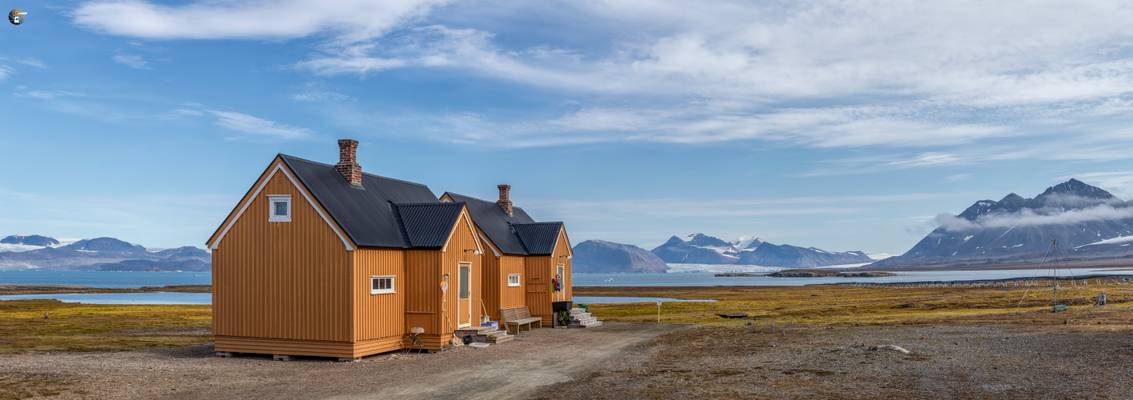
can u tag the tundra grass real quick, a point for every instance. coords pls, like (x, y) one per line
(51, 325)
(53, 289)
(844, 305)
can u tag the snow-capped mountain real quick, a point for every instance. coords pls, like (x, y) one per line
(41, 252)
(1086, 221)
(699, 248)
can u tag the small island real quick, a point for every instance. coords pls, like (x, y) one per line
(828, 273)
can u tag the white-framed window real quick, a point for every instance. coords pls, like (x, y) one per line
(382, 284)
(513, 280)
(465, 280)
(279, 208)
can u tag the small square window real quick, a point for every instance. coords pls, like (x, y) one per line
(279, 208)
(381, 285)
(513, 280)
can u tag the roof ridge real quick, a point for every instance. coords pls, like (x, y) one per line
(364, 173)
(439, 203)
(479, 199)
(469, 197)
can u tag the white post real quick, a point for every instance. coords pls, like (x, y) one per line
(658, 311)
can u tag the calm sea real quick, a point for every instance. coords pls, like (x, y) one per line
(139, 279)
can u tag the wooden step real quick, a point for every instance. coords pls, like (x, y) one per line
(485, 334)
(501, 339)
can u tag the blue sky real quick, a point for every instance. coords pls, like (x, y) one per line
(842, 125)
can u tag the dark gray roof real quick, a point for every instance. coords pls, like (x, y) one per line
(366, 214)
(496, 224)
(538, 238)
(428, 225)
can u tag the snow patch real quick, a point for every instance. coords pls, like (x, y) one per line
(718, 268)
(1116, 240)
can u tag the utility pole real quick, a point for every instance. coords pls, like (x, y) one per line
(1054, 275)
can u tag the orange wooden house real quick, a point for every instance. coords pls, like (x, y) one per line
(528, 263)
(325, 260)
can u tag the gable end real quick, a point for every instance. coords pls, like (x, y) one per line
(281, 168)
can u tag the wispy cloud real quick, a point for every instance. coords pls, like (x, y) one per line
(315, 93)
(131, 60)
(48, 94)
(716, 207)
(349, 20)
(255, 127)
(938, 81)
(31, 62)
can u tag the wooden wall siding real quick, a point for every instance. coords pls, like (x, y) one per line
(379, 316)
(562, 255)
(461, 247)
(540, 270)
(284, 280)
(538, 282)
(236, 344)
(490, 284)
(511, 297)
(422, 289)
(495, 291)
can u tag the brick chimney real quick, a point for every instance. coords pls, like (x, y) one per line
(348, 161)
(505, 201)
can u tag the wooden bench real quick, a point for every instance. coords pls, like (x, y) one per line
(519, 317)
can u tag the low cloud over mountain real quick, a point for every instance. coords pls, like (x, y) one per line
(1086, 221)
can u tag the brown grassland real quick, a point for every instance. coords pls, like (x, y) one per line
(83, 327)
(967, 341)
(50, 325)
(825, 305)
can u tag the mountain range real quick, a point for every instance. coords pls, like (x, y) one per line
(699, 248)
(1086, 222)
(100, 254)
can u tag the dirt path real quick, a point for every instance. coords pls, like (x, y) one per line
(945, 362)
(512, 370)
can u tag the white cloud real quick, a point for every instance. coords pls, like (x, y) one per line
(348, 20)
(131, 60)
(717, 207)
(48, 94)
(32, 62)
(820, 74)
(253, 126)
(1028, 217)
(895, 74)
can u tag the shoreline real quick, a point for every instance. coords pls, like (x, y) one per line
(7, 290)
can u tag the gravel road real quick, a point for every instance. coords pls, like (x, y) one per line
(517, 369)
(944, 362)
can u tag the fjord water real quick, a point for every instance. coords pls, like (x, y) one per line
(709, 279)
(103, 279)
(120, 298)
(109, 279)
